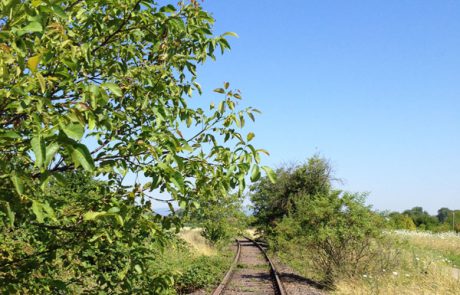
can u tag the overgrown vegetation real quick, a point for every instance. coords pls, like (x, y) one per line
(221, 219)
(334, 230)
(99, 90)
(337, 231)
(421, 268)
(332, 237)
(189, 266)
(417, 218)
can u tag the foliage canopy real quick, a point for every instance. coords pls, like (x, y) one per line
(103, 87)
(273, 201)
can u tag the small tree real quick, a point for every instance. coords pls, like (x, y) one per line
(443, 214)
(273, 201)
(221, 219)
(422, 219)
(401, 221)
(336, 230)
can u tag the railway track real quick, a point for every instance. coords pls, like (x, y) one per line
(252, 272)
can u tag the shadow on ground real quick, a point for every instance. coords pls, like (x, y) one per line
(293, 278)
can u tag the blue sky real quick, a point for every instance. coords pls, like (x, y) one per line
(374, 86)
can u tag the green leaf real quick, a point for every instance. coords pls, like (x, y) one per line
(91, 122)
(114, 210)
(18, 184)
(31, 28)
(219, 90)
(51, 150)
(138, 268)
(221, 107)
(58, 11)
(81, 156)
(178, 181)
(270, 173)
(42, 82)
(49, 211)
(37, 209)
(39, 149)
(114, 88)
(250, 136)
(10, 214)
(91, 215)
(168, 8)
(255, 173)
(59, 178)
(263, 151)
(9, 134)
(119, 219)
(33, 62)
(233, 34)
(73, 130)
(36, 3)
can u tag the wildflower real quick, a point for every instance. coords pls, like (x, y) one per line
(395, 273)
(364, 276)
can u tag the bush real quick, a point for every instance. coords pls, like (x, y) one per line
(337, 229)
(188, 269)
(203, 272)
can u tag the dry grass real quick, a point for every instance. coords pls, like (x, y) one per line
(252, 233)
(420, 269)
(448, 242)
(194, 238)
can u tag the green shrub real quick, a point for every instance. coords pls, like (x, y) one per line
(337, 229)
(203, 272)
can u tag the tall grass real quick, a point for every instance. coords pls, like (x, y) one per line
(192, 263)
(198, 243)
(422, 268)
(446, 244)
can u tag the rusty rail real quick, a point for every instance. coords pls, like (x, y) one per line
(228, 275)
(277, 281)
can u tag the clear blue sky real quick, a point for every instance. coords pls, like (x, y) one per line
(374, 86)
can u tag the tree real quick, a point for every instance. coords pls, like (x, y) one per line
(336, 230)
(422, 219)
(443, 214)
(103, 86)
(401, 221)
(273, 201)
(453, 220)
(221, 219)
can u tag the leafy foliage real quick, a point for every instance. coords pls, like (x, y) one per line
(417, 218)
(337, 230)
(334, 230)
(103, 87)
(85, 237)
(401, 221)
(222, 220)
(273, 201)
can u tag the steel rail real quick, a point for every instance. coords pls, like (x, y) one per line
(278, 285)
(229, 273)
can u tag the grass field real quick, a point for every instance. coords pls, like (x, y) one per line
(193, 262)
(426, 264)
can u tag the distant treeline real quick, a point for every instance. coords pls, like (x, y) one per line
(417, 218)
